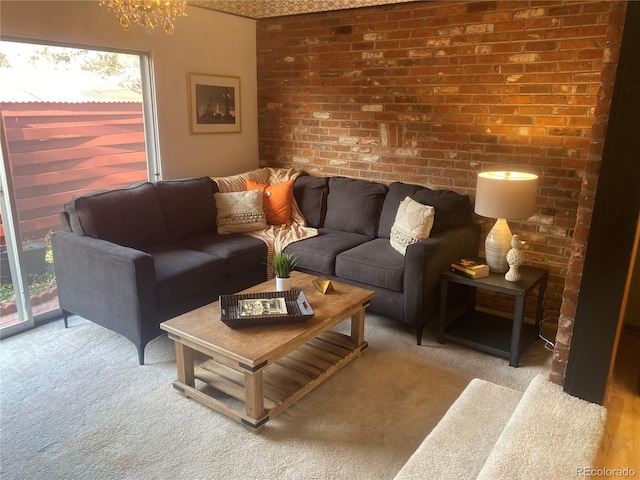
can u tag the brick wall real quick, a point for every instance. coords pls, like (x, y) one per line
(434, 92)
(587, 195)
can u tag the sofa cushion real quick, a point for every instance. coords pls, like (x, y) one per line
(131, 216)
(311, 195)
(241, 253)
(373, 263)
(413, 223)
(354, 205)
(319, 253)
(451, 209)
(239, 212)
(184, 276)
(276, 200)
(188, 206)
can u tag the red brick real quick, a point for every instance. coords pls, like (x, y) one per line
(460, 87)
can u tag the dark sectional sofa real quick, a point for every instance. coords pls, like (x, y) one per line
(131, 258)
(354, 219)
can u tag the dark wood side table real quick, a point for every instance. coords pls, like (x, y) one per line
(486, 332)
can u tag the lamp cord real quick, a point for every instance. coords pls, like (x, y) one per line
(548, 344)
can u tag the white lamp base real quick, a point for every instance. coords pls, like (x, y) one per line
(497, 245)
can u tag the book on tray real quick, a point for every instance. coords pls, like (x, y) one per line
(470, 268)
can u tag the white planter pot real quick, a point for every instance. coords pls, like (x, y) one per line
(283, 284)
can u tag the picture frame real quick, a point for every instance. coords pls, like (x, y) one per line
(214, 103)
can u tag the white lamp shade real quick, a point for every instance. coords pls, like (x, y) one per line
(508, 195)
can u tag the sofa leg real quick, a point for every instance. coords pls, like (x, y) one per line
(141, 355)
(419, 333)
(65, 318)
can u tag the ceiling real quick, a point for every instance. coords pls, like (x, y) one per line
(280, 8)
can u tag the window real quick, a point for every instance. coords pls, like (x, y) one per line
(73, 120)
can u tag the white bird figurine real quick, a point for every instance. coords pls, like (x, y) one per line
(515, 258)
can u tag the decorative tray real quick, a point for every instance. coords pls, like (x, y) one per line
(266, 308)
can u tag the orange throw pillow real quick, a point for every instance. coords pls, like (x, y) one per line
(276, 199)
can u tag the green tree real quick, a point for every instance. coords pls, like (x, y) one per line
(121, 69)
(55, 57)
(126, 68)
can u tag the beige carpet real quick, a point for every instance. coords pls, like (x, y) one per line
(496, 433)
(76, 405)
(546, 420)
(457, 448)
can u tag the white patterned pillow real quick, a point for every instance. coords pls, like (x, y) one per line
(413, 223)
(239, 212)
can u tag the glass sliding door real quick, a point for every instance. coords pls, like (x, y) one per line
(73, 121)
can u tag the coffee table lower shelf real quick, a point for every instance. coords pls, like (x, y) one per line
(282, 382)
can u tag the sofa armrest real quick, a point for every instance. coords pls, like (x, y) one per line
(111, 285)
(424, 263)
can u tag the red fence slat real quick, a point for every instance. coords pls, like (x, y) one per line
(59, 150)
(69, 131)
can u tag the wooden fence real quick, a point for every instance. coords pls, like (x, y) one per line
(57, 150)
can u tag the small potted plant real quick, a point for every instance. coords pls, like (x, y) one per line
(282, 264)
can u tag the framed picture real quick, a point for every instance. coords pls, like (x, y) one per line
(214, 103)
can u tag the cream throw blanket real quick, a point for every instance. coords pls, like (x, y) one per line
(276, 237)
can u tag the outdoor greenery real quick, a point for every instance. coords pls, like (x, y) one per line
(37, 283)
(121, 68)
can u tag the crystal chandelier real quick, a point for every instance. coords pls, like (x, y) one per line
(149, 14)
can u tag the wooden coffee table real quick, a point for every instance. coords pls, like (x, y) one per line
(266, 367)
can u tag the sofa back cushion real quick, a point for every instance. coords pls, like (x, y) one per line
(311, 196)
(188, 207)
(129, 216)
(451, 209)
(354, 205)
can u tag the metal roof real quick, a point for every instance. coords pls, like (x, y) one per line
(58, 86)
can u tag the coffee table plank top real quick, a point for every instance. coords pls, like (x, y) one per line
(253, 346)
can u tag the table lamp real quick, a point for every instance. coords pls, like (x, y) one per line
(505, 196)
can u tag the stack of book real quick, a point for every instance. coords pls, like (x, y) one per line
(470, 268)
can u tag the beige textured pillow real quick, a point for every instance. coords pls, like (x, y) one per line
(413, 223)
(239, 212)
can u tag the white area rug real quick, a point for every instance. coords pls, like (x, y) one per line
(75, 404)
